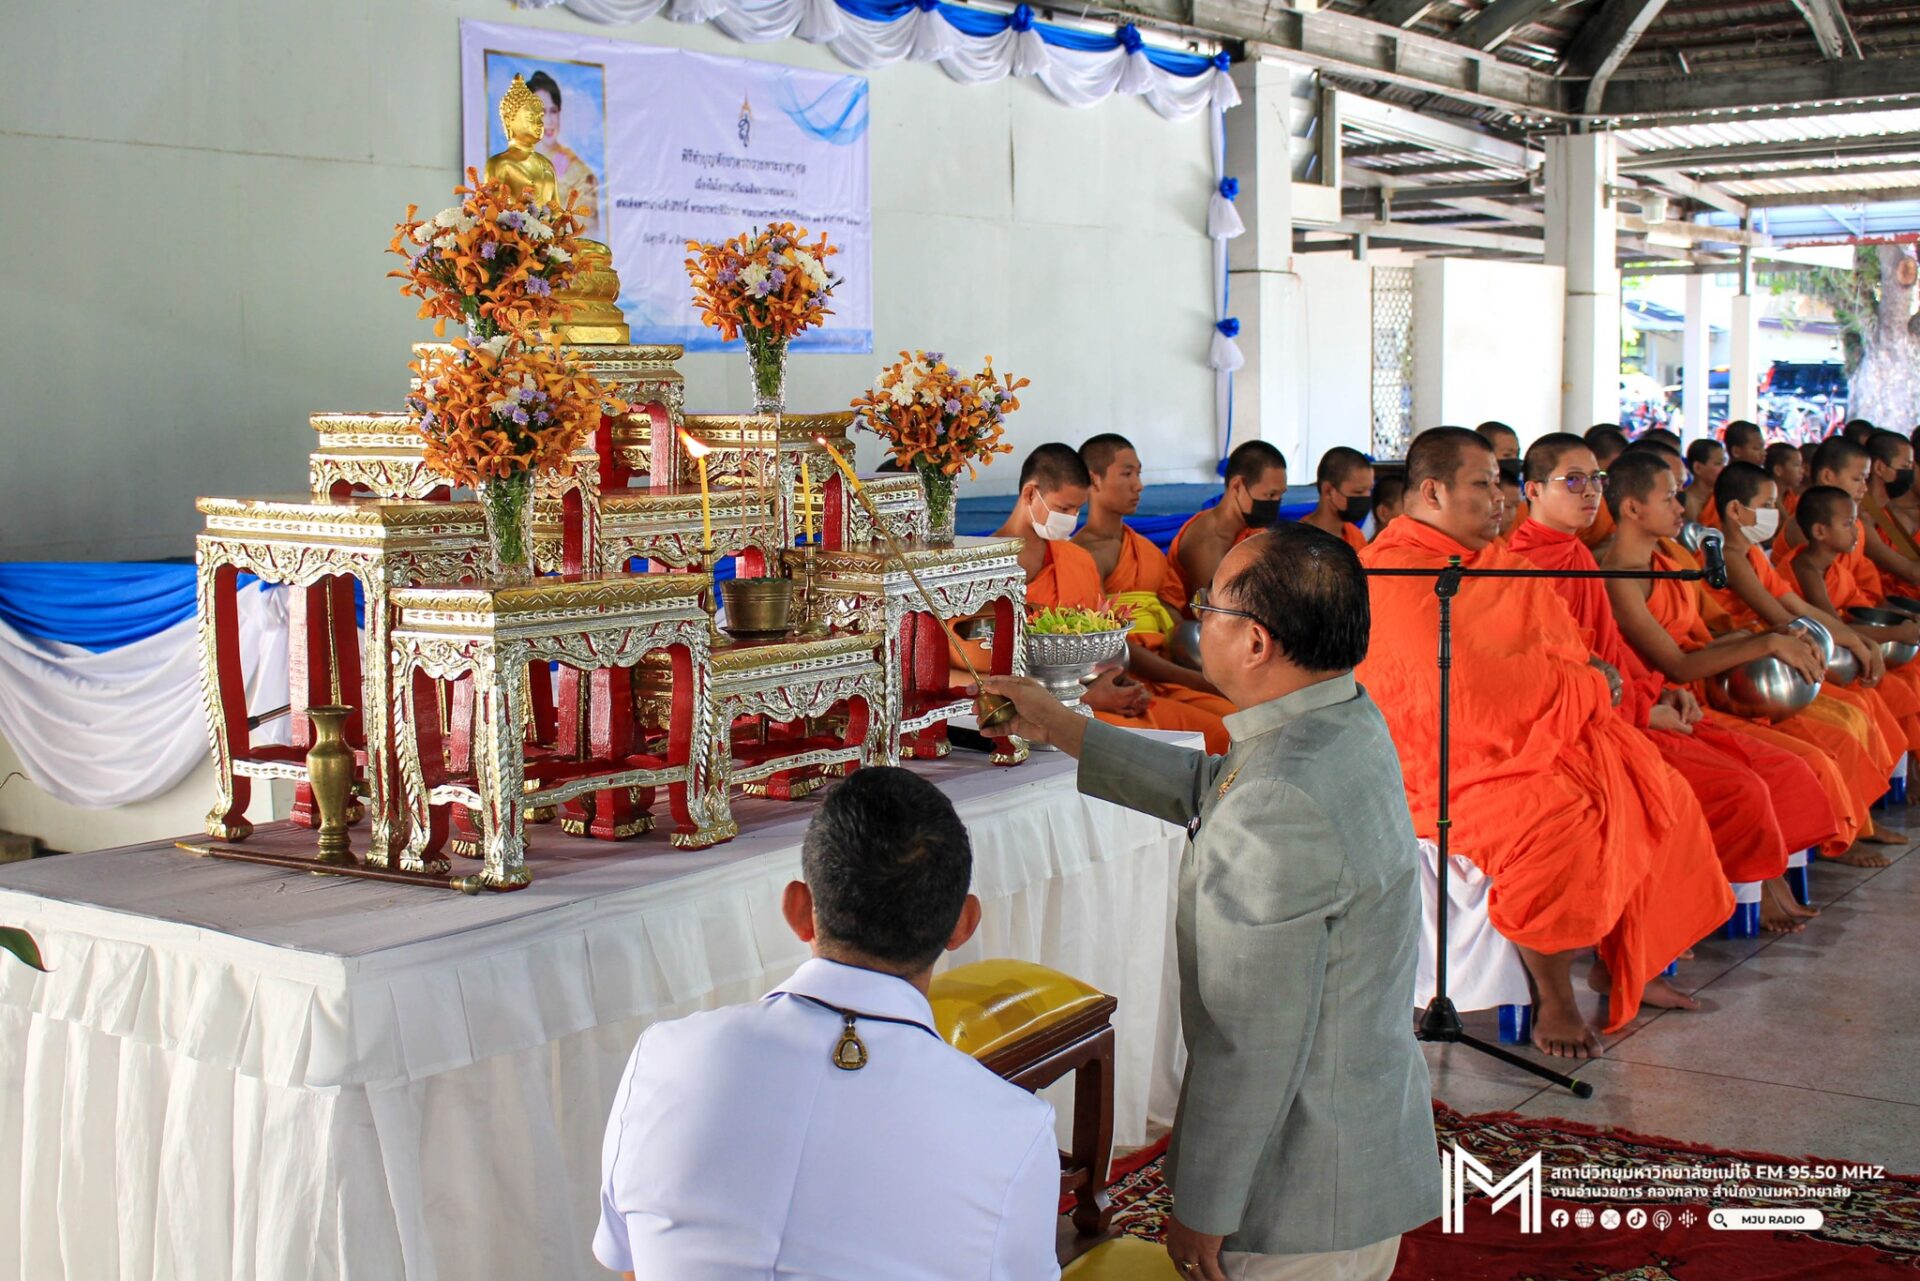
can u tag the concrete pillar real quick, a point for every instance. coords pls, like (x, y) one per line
(1580, 238)
(1743, 373)
(1269, 401)
(1696, 360)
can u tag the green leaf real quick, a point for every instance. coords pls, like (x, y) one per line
(21, 944)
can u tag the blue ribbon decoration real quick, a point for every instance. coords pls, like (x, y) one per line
(1230, 188)
(1222, 61)
(1022, 19)
(980, 24)
(1130, 38)
(1230, 327)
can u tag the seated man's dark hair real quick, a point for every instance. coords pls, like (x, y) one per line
(1438, 452)
(1606, 442)
(1836, 454)
(1388, 491)
(1054, 466)
(1635, 474)
(1699, 451)
(1252, 459)
(1822, 505)
(1491, 431)
(1741, 432)
(1857, 430)
(1307, 589)
(1662, 435)
(1778, 453)
(1098, 452)
(888, 861)
(1646, 445)
(1886, 447)
(1544, 455)
(1739, 483)
(1339, 463)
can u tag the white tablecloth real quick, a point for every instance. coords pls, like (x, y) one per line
(234, 1071)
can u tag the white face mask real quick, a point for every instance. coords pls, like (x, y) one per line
(1766, 523)
(1055, 526)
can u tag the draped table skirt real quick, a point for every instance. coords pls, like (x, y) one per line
(233, 1071)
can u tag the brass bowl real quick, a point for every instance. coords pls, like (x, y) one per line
(757, 607)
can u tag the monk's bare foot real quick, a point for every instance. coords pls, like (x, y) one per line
(1883, 836)
(1793, 906)
(1857, 856)
(1662, 995)
(1776, 909)
(1559, 1029)
(1685, 956)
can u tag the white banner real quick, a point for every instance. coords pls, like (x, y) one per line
(669, 146)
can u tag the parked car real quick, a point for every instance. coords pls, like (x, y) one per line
(1807, 380)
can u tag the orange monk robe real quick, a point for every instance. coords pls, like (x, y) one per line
(1601, 529)
(1587, 836)
(1900, 688)
(1888, 741)
(1762, 802)
(1830, 738)
(1351, 535)
(1070, 577)
(1141, 573)
(1178, 592)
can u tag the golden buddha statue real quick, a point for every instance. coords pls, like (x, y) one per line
(593, 316)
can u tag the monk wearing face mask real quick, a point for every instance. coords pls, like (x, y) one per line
(1054, 484)
(1256, 482)
(1345, 479)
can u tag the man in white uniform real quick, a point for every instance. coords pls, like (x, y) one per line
(828, 1132)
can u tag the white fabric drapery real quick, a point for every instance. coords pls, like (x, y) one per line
(98, 730)
(237, 1072)
(1076, 77)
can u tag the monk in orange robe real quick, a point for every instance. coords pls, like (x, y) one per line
(1134, 574)
(1870, 475)
(1761, 802)
(1053, 488)
(1588, 838)
(1256, 484)
(1505, 443)
(1661, 621)
(1607, 443)
(1705, 460)
(1345, 481)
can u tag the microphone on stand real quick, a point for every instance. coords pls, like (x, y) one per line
(1714, 557)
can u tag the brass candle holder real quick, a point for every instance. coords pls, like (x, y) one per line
(330, 777)
(710, 597)
(816, 625)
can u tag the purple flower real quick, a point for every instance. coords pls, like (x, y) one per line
(512, 219)
(763, 288)
(935, 358)
(538, 286)
(727, 274)
(519, 416)
(488, 250)
(952, 406)
(540, 416)
(777, 277)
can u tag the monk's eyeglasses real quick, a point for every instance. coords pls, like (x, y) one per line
(1577, 482)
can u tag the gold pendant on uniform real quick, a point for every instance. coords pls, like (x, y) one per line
(850, 1055)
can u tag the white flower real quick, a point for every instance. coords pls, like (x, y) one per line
(539, 230)
(556, 254)
(750, 275)
(901, 394)
(447, 217)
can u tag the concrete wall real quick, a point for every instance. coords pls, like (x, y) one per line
(1339, 364)
(199, 200)
(1487, 344)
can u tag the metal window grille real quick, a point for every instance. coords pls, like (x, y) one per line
(1392, 361)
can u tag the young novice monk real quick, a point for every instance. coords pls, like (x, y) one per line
(1256, 483)
(1345, 479)
(1661, 621)
(1761, 801)
(1134, 573)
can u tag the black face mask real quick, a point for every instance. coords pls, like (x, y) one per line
(1355, 512)
(1902, 481)
(1263, 512)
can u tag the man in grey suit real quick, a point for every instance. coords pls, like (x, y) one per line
(1304, 1143)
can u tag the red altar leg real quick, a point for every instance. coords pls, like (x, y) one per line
(680, 739)
(833, 511)
(859, 721)
(573, 526)
(750, 563)
(426, 731)
(228, 821)
(928, 672)
(311, 657)
(610, 731)
(1004, 625)
(546, 726)
(459, 752)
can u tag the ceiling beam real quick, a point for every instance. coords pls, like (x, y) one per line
(1773, 111)
(1907, 165)
(1694, 233)
(1691, 158)
(1493, 24)
(1398, 13)
(1794, 200)
(1416, 233)
(1435, 191)
(1818, 83)
(1830, 28)
(1398, 124)
(1677, 183)
(1603, 42)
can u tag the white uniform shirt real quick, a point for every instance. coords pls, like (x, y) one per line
(737, 1150)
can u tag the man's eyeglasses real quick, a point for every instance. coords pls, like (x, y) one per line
(1235, 613)
(1577, 482)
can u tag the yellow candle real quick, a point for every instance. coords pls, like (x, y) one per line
(699, 453)
(806, 496)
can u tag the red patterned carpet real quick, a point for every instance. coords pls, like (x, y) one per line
(1873, 1231)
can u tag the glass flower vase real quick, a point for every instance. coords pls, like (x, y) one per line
(938, 487)
(508, 504)
(767, 358)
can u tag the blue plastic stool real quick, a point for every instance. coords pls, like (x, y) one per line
(1672, 970)
(1897, 790)
(1516, 1024)
(1800, 877)
(1745, 921)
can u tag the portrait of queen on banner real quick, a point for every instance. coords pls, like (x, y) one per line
(660, 147)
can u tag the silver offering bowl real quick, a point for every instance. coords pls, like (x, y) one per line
(1067, 663)
(1897, 653)
(1842, 667)
(1763, 687)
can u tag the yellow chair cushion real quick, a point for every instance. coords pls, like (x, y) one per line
(1123, 1259)
(989, 1005)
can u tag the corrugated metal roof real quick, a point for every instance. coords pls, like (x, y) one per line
(1734, 132)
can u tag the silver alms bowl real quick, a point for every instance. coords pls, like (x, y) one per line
(1763, 687)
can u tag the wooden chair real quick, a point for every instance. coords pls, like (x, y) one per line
(1033, 1026)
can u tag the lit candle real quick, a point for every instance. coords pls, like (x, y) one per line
(699, 453)
(806, 497)
(835, 455)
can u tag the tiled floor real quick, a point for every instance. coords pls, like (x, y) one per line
(1807, 1044)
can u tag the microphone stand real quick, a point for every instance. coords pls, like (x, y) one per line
(1440, 1021)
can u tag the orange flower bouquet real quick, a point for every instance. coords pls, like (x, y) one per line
(937, 421)
(494, 414)
(492, 261)
(768, 287)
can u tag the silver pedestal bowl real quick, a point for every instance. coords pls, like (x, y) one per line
(1066, 663)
